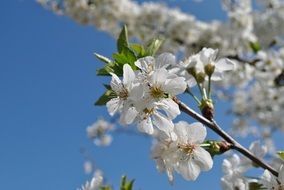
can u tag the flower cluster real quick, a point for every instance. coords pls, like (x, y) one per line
(145, 97)
(255, 28)
(98, 132)
(236, 166)
(146, 92)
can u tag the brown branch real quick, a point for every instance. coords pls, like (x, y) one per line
(217, 129)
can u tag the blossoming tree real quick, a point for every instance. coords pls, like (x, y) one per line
(240, 60)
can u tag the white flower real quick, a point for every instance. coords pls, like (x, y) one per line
(149, 64)
(192, 157)
(126, 91)
(183, 154)
(204, 63)
(98, 132)
(257, 150)
(88, 167)
(162, 153)
(271, 182)
(233, 183)
(234, 168)
(95, 183)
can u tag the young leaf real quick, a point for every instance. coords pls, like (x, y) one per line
(153, 46)
(105, 70)
(127, 56)
(281, 154)
(107, 96)
(105, 188)
(102, 58)
(138, 49)
(126, 185)
(122, 40)
(255, 46)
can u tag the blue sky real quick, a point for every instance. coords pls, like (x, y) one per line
(47, 89)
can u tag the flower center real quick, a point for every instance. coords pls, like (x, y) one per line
(123, 94)
(156, 92)
(148, 112)
(187, 148)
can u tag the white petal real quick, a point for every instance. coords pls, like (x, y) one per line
(128, 76)
(196, 133)
(189, 170)
(159, 77)
(175, 86)
(226, 185)
(267, 179)
(181, 131)
(207, 55)
(281, 174)
(137, 92)
(145, 63)
(225, 65)
(170, 107)
(163, 123)
(191, 82)
(164, 60)
(217, 76)
(128, 115)
(115, 83)
(227, 167)
(113, 105)
(202, 158)
(258, 150)
(146, 126)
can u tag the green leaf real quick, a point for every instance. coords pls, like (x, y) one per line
(138, 49)
(107, 96)
(281, 154)
(105, 188)
(126, 185)
(122, 40)
(106, 70)
(102, 58)
(112, 67)
(153, 46)
(255, 46)
(127, 56)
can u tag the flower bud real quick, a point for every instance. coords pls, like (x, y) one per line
(200, 77)
(209, 69)
(207, 108)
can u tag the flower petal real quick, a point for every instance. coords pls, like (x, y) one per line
(225, 65)
(145, 64)
(189, 170)
(128, 115)
(175, 86)
(115, 83)
(128, 76)
(202, 158)
(146, 126)
(113, 105)
(164, 60)
(196, 133)
(170, 107)
(163, 123)
(281, 174)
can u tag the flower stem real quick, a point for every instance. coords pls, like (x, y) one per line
(209, 87)
(217, 129)
(195, 98)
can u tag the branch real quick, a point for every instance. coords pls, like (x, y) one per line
(217, 129)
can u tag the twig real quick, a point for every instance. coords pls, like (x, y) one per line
(217, 129)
